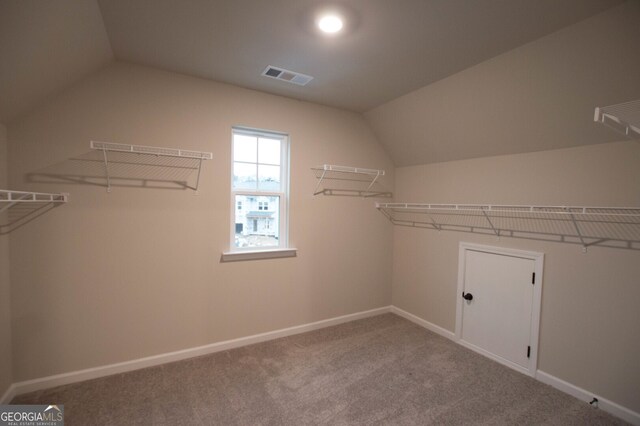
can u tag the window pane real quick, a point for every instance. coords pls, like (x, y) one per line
(268, 178)
(244, 176)
(255, 227)
(245, 148)
(269, 151)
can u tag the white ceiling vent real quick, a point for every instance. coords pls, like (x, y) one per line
(286, 75)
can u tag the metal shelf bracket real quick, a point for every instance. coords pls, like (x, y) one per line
(107, 147)
(22, 206)
(614, 227)
(623, 118)
(348, 181)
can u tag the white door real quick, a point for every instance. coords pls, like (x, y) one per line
(497, 306)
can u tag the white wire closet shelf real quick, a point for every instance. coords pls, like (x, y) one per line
(616, 227)
(193, 158)
(20, 207)
(349, 181)
(624, 118)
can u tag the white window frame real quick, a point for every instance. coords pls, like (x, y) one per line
(282, 249)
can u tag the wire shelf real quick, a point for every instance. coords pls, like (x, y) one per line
(143, 149)
(624, 118)
(617, 227)
(122, 150)
(20, 207)
(349, 181)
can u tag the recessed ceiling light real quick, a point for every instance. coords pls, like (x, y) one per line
(330, 24)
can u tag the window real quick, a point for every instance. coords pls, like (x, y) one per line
(259, 190)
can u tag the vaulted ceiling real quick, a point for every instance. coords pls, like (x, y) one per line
(387, 49)
(45, 46)
(537, 97)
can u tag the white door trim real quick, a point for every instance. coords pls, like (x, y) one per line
(538, 259)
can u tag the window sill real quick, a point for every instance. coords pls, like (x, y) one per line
(236, 256)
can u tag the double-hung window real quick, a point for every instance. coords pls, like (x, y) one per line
(259, 190)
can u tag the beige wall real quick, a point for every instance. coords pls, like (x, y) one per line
(536, 98)
(589, 328)
(5, 309)
(113, 277)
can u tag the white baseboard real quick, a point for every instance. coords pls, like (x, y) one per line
(566, 387)
(584, 395)
(424, 323)
(136, 364)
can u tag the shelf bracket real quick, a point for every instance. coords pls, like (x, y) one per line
(149, 150)
(496, 231)
(612, 227)
(198, 178)
(16, 201)
(315, 191)
(106, 168)
(622, 118)
(374, 180)
(362, 185)
(435, 224)
(32, 204)
(577, 228)
(596, 242)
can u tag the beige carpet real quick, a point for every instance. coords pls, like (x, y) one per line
(381, 370)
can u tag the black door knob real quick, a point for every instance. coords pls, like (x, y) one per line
(467, 296)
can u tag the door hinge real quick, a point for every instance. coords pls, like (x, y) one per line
(528, 351)
(533, 278)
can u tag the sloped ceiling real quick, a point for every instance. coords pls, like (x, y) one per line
(438, 80)
(389, 48)
(46, 46)
(537, 97)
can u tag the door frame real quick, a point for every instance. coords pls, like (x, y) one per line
(538, 260)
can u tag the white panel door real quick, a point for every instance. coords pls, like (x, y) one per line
(498, 318)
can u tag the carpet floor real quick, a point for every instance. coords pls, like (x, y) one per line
(380, 370)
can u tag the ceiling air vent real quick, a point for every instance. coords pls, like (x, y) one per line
(286, 75)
